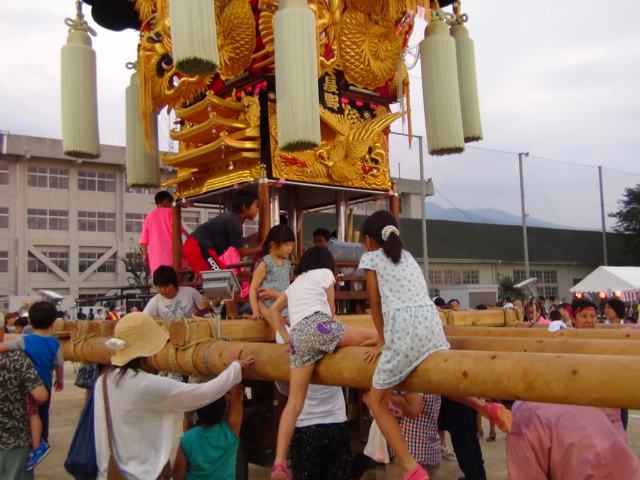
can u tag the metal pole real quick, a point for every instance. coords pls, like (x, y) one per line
(423, 191)
(604, 228)
(423, 209)
(524, 217)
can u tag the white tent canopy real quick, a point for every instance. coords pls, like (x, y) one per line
(610, 279)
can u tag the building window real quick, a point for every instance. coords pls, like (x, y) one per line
(45, 177)
(249, 227)
(59, 258)
(42, 219)
(547, 281)
(4, 217)
(87, 259)
(142, 190)
(4, 174)
(97, 181)
(191, 220)
(4, 262)
(96, 221)
(133, 222)
(470, 277)
(548, 291)
(549, 276)
(453, 277)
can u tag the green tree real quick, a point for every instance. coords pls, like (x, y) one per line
(506, 288)
(628, 224)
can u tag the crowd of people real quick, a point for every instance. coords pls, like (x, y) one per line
(133, 435)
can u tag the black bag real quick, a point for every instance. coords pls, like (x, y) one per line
(87, 375)
(81, 462)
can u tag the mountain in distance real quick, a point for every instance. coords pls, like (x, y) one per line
(483, 215)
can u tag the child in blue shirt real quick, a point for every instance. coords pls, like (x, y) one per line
(209, 450)
(46, 354)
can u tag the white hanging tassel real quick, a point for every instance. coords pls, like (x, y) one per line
(193, 36)
(80, 138)
(440, 90)
(143, 166)
(465, 55)
(296, 62)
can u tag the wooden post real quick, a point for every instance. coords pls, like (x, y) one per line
(265, 208)
(300, 234)
(176, 235)
(609, 381)
(394, 201)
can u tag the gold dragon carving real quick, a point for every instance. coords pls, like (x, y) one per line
(364, 39)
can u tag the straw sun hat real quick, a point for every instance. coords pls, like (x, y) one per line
(136, 335)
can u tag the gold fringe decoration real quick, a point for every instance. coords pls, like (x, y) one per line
(193, 36)
(440, 90)
(297, 99)
(80, 134)
(143, 166)
(470, 105)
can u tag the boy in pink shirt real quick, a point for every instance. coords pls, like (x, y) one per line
(157, 232)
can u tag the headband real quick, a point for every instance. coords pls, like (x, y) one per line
(388, 230)
(585, 308)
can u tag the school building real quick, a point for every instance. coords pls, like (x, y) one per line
(66, 225)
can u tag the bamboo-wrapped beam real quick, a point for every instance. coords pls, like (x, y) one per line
(544, 345)
(583, 333)
(557, 378)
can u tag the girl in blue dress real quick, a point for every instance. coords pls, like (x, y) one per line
(272, 271)
(407, 321)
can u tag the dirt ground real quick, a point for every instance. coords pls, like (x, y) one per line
(66, 407)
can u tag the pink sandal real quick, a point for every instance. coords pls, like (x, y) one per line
(498, 414)
(279, 472)
(418, 473)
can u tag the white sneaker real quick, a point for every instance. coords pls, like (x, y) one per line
(449, 456)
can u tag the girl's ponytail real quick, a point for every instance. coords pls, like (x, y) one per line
(382, 226)
(392, 246)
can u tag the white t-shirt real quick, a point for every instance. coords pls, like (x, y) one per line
(143, 413)
(308, 294)
(180, 306)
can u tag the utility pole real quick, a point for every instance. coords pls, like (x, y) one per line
(423, 192)
(524, 216)
(604, 228)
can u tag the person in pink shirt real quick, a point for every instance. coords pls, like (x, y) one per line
(551, 441)
(156, 237)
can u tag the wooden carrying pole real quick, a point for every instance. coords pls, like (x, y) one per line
(584, 333)
(556, 378)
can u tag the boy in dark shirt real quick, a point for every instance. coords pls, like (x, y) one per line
(219, 242)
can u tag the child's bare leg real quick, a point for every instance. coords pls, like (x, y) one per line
(356, 336)
(501, 416)
(36, 430)
(378, 404)
(299, 382)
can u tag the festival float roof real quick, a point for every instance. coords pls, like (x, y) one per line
(226, 122)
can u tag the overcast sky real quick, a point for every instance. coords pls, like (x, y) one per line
(559, 80)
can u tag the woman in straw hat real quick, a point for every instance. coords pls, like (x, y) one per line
(142, 405)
